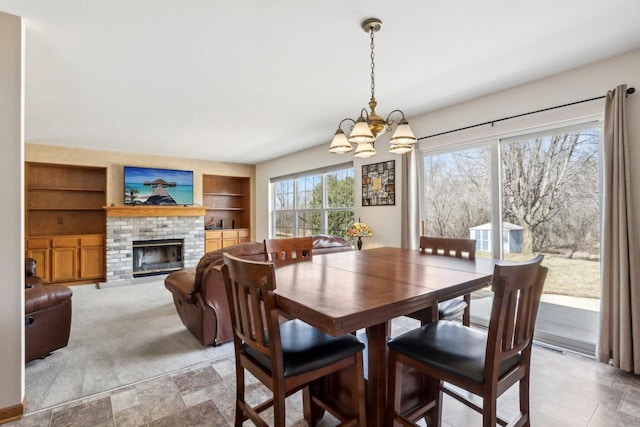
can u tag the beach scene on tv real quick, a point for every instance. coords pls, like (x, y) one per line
(150, 186)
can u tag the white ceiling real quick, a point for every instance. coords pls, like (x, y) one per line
(249, 80)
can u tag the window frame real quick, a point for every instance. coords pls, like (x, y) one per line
(295, 210)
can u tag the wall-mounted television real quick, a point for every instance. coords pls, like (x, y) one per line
(153, 186)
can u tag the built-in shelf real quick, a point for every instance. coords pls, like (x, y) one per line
(227, 199)
(89, 190)
(65, 224)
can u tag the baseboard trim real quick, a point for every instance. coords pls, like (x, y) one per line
(12, 413)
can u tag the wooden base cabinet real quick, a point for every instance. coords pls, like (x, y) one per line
(79, 258)
(218, 239)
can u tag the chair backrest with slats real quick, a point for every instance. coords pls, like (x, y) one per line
(252, 303)
(287, 250)
(517, 290)
(459, 248)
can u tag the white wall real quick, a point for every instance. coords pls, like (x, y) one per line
(382, 219)
(583, 83)
(12, 248)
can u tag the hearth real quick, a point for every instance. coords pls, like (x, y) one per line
(152, 257)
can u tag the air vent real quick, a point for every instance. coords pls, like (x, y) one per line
(549, 347)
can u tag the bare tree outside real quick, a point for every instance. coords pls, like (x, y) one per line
(457, 192)
(550, 194)
(550, 189)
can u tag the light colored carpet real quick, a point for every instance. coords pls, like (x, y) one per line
(119, 336)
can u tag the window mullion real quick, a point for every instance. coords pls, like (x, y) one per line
(496, 200)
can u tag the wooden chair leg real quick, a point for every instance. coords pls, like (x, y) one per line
(489, 410)
(433, 417)
(466, 315)
(524, 399)
(239, 418)
(313, 412)
(279, 418)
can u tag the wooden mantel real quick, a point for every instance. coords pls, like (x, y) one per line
(160, 210)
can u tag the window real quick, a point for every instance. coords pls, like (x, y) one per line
(316, 202)
(522, 195)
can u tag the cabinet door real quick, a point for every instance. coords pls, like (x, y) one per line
(42, 262)
(243, 236)
(229, 238)
(64, 264)
(91, 262)
(212, 245)
(229, 241)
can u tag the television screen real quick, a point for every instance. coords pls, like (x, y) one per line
(151, 186)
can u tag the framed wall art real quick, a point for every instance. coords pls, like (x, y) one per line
(379, 184)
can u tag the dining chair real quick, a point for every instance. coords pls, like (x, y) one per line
(484, 364)
(286, 357)
(287, 250)
(458, 248)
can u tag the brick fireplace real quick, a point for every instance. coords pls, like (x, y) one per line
(126, 225)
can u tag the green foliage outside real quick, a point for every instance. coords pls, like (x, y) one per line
(339, 195)
(307, 194)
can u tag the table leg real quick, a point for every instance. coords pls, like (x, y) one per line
(377, 337)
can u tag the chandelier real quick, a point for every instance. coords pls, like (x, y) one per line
(370, 125)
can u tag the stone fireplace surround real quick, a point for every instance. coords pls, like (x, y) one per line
(123, 230)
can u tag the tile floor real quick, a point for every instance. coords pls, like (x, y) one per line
(567, 390)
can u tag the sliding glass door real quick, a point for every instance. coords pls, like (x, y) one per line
(535, 193)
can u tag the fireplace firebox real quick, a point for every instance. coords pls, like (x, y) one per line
(152, 257)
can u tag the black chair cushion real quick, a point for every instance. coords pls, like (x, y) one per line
(305, 348)
(452, 308)
(451, 347)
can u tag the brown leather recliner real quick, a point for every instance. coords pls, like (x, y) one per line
(47, 315)
(199, 294)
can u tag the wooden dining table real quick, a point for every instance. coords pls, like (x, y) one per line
(343, 292)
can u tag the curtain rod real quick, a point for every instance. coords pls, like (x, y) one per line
(630, 91)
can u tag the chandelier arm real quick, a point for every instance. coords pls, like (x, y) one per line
(348, 119)
(389, 121)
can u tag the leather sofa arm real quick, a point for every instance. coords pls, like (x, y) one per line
(33, 282)
(182, 284)
(42, 297)
(251, 250)
(31, 279)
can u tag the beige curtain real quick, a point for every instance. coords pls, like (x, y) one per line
(410, 201)
(619, 338)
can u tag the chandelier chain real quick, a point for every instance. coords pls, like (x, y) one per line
(373, 66)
